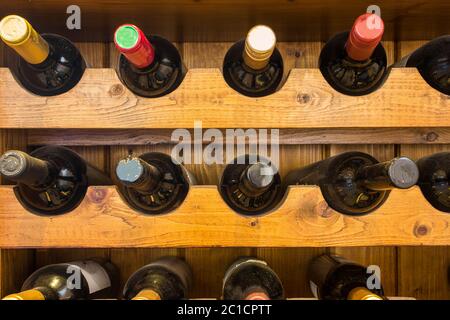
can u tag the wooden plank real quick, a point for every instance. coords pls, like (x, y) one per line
(204, 220)
(305, 101)
(221, 20)
(86, 137)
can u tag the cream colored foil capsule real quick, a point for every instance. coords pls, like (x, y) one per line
(18, 34)
(259, 46)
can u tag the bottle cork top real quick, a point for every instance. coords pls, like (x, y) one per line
(403, 172)
(12, 163)
(14, 29)
(129, 170)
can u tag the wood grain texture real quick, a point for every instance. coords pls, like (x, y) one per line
(304, 219)
(305, 101)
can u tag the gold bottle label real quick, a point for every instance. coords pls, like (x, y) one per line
(147, 294)
(259, 46)
(361, 293)
(26, 295)
(18, 34)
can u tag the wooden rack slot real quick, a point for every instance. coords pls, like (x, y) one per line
(100, 101)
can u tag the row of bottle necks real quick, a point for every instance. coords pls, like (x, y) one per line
(170, 278)
(53, 180)
(353, 62)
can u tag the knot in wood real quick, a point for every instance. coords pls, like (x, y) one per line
(96, 196)
(303, 98)
(421, 230)
(431, 136)
(116, 90)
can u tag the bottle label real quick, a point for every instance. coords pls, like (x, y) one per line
(96, 276)
(314, 289)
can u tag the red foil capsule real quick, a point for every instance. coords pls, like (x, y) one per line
(257, 296)
(134, 45)
(364, 37)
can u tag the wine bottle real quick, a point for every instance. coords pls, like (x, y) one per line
(433, 62)
(150, 66)
(251, 188)
(51, 180)
(355, 62)
(434, 180)
(168, 278)
(355, 183)
(254, 66)
(90, 279)
(46, 64)
(251, 279)
(335, 278)
(152, 183)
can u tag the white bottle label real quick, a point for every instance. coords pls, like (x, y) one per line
(96, 276)
(314, 289)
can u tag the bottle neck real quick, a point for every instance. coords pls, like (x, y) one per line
(33, 294)
(18, 34)
(364, 37)
(134, 45)
(147, 294)
(399, 173)
(256, 179)
(361, 293)
(20, 167)
(259, 46)
(139, 174)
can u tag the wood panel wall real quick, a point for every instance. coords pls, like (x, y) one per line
(407, 271)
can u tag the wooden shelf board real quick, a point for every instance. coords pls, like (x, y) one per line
(306, 100)
(204, 220)
(135, 137)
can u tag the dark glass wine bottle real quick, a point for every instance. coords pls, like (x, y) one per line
(355, 62)
(433, 62)
(46, 64)
(51, 180)
(150, 66)
(355, 183)
(251, 279)
(152, 183)
(254, 66)
(168, 278)
(251, 187)
(90, 279)
(434, 180)
(334, 278)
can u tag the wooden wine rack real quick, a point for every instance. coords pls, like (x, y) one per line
(306, 100)
(303, 220)
(102, 120)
